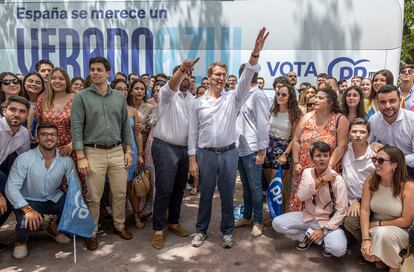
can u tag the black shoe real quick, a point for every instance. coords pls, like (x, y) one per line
(4, 247)
(361, 260)
(325, 253)
(305, 244)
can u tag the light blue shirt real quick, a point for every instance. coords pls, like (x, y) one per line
(30, 180)
(253, 123)
(399, 134)
(409, 99)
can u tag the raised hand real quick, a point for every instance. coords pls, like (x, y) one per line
(188, 65)
(260, 41)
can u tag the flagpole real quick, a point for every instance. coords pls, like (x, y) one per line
(74, 248)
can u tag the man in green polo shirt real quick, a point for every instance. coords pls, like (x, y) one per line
(99, 130)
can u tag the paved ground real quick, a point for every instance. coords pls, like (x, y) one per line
(270, 252)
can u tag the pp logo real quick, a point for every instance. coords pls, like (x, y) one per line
(347, 68)
(81, 209)
(277, 191)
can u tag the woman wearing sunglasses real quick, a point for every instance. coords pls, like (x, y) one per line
(387, 209)
(284, 117)
(407, 86)
(326, 124)
(353, 103)
(9, 86)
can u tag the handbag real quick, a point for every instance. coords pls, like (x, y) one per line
(141, 183)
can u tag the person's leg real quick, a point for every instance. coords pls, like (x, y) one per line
(3, 180)
(176, 197)
(254, 175)
(291, 224)
(166, 164)
(335, 242)
(208, 165)
(95, 181)
(117, 175)
(226, 182)
(247, 196)
(22, 233)
(352, 225)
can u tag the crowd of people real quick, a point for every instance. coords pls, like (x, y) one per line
(346, 153)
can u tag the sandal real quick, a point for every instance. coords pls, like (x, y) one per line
(194, 191)
(139, 224)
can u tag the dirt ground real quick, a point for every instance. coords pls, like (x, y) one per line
(269, 252)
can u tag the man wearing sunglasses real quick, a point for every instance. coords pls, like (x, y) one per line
(392, 125)
(407, 85)
(33, 187)
(14, 140)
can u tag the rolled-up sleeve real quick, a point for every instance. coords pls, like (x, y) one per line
(307, 186)
(15, 181)
(193, 129)
(77, 122)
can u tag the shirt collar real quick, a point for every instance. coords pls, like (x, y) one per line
(39, 154)
(92, 88)
(363, 157)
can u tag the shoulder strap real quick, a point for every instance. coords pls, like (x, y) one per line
(337, 120)
(333, 199)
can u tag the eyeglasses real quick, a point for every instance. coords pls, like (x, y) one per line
(7, 82)
(46, 134)
(379, 160)
(407, 72)
(281, 94)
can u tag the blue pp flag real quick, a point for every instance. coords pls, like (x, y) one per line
(274, 194)
(75, 219)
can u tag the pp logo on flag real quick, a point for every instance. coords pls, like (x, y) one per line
(80, 207)
(276, 191)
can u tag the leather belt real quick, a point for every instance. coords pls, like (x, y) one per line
(103, 146)
(220, 149)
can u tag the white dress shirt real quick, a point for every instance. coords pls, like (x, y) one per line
(213, 121)
(10, 143)
(356, 170)
(173, 116)
(253, 123)
(399, 134)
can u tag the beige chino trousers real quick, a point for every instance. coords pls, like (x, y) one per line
(106, 162)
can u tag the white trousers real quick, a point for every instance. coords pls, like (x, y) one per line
(291, 224)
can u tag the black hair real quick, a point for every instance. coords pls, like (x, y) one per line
(388, 89)
(102, 60)
(43, 61)
(46, 125)
(18, 99)
(321, 146)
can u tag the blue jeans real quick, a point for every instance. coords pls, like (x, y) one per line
(48, 207)
(221, 169)
(251, 178)
(3, 180)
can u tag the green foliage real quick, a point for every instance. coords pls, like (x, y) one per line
(407, 52)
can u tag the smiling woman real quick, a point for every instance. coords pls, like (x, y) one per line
(9, 86)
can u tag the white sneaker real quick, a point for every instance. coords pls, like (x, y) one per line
(257, 230)
(227, 241)
(198, 239)
(20, 252)
(242, 222)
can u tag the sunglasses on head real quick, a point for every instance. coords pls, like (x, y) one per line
(7, 82)
(281, 94)
(407, 71)
(379, 160)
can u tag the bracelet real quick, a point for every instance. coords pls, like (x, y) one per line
(27, 210)
(368, 238)
(255, 56)
(128, 151)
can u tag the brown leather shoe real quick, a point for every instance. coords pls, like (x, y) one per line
(158, 241)
(91, 243)
(178, 230)
(124, 233)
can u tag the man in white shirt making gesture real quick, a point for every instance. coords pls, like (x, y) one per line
(211, 143)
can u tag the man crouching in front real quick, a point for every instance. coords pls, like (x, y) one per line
(326, 205)
(33, 187)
